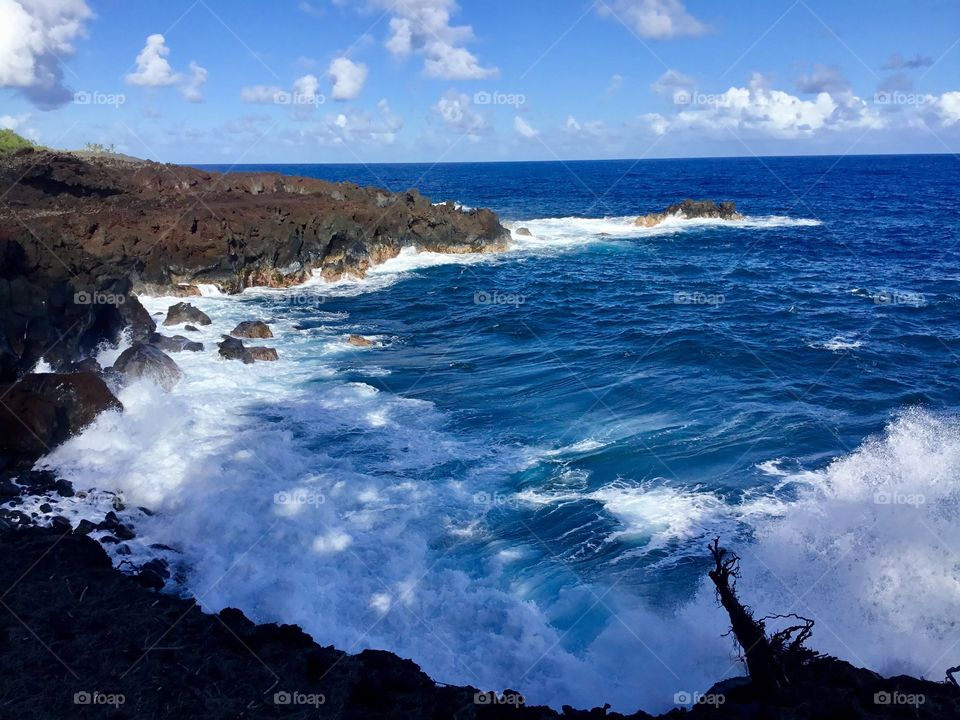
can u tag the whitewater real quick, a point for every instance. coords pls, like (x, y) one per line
(520, 495)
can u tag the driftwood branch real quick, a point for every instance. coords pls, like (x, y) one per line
(767, 657)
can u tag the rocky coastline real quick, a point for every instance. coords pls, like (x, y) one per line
(80, 236)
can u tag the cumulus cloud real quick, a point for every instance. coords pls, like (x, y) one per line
(524, 129)
(423, 27)
(823, 79)
(949, 106)
(348, 78)
(34, 36)
(654, 19)
(154, 70)
(758, 109)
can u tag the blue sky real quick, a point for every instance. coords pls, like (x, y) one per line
(438, 80)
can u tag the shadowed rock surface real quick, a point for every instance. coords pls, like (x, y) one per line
(42, 410)
(87, 627)
(185, 313)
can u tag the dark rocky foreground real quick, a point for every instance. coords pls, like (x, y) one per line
(79, 638)
(79, 236)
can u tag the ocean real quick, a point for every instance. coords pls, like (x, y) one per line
(517, 486)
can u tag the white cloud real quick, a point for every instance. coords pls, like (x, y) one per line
(757, 109)
(306, 87)
(34, 36)
(348, 78)
(948, 106)
(524, 129)
(154, 70)
(423, 27)
(193, 84)
(654, 19)
(616, 82)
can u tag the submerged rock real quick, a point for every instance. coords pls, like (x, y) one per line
(252, 329)
(232, 349)
(40, 411)
(525, 232)
(185, 312)
(146, 361)
(691, 209)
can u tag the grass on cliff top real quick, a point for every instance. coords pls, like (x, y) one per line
(11, 142)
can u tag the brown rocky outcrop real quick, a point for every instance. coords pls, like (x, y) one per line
(691, 209)
(79, 235)
(252, 329)
(40, 411)
(360, 341)
(149, 362)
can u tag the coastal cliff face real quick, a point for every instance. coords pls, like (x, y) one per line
(80, 235)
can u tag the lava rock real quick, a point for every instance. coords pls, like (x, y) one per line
(177, 343)
(185, 313)
(146, 361)
(252, 329)
(42, 410)
(263, 353)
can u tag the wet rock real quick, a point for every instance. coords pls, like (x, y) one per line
(84, 527)
(60, 524)
(122, 532)
(42, 410)
(233, 349)
(177, 343)
(691, 209)
(360, 341)
(146, 361)
(252, 329)
(190, 328)
(263, 353)
(185, 313)
(524, 232)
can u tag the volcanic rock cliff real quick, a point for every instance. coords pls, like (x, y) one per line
(80, 235)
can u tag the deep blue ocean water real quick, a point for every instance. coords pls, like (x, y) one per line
(519, 485)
